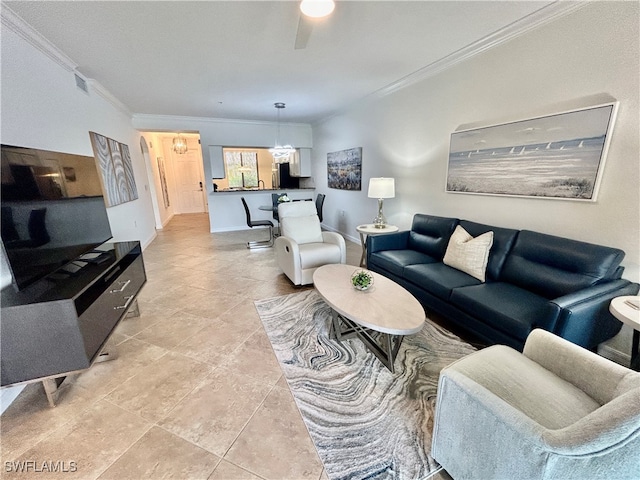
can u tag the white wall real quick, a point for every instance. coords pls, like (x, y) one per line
(576, 59)
(42, 108)
(405, 135)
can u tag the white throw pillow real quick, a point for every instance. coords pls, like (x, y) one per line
(467, 254)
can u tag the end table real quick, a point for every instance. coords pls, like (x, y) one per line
(625, 310)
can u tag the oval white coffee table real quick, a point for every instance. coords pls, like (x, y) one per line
(380, 316)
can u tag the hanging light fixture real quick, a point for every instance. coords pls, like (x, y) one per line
(280, 152)
(180, 144)
(317, 8)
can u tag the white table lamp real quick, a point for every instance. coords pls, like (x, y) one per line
(381, 188)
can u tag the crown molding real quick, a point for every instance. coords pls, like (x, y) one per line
(543, 16)
(97, 87)
(17, 25)
(146, 118)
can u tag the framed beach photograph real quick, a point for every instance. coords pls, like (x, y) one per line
(344, 169)
(559, 156)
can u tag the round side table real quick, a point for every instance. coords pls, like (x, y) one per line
(627, 310)
(370, 229)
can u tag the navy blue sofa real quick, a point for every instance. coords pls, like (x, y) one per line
(533, 280)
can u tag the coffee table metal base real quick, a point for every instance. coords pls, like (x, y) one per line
(384, 346)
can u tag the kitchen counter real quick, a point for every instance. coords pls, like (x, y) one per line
(226, 212)
(262, 190)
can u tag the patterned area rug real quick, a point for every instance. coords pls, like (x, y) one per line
(365, 422)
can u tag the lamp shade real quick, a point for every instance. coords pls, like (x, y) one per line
(382, 188)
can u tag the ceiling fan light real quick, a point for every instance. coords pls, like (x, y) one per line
(317, 8)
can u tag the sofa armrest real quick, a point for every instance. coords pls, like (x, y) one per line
(388, 241)
(609, 290)
(597, 376)
(336, 239)
(584, 315)
(468, 416)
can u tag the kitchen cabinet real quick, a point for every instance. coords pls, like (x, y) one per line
(216, 159)
(300, 163)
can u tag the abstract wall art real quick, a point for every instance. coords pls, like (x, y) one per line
(115, 170)
(344, 169)
(559, 156)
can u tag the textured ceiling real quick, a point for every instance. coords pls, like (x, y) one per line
(234, 59)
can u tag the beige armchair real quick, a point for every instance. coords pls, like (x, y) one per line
(302, 246)
(555, 411)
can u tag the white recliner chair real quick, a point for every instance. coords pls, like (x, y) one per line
(302, 246)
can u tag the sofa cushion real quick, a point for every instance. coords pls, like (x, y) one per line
(506, 307)
(468, 254)
(541, 395)
(430, 234)
(553, 266)
(394, 261)
(503, 240)
(437, 278)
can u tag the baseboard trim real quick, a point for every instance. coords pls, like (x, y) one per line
(149, 240)
(614, 355)
(347, 237)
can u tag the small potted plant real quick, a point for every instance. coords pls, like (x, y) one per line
(283, 199)
(361, 280)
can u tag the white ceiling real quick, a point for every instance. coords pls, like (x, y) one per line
(234, 59)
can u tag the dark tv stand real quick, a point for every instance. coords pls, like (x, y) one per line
(61, 324)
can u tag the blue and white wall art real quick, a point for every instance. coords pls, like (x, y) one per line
(558, 156)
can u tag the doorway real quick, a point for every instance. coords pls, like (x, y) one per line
(189, 176)
(177, 179)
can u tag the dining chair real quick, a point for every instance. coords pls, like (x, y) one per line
(319, 204)
(258, 223)
(274, 200)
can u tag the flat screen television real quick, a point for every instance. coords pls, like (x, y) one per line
(53, 211)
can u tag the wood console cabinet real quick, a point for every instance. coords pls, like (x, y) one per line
(60, 324)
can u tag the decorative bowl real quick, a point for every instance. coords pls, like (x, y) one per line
(362, 280)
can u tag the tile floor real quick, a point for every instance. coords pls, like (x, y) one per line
(195, 392)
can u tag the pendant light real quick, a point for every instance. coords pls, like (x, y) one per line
(280, 153)
(180, 144)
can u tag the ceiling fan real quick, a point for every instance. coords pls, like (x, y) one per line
(311, 12)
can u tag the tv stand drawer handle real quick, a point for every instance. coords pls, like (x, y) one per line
(126, 304)
(124, 285)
